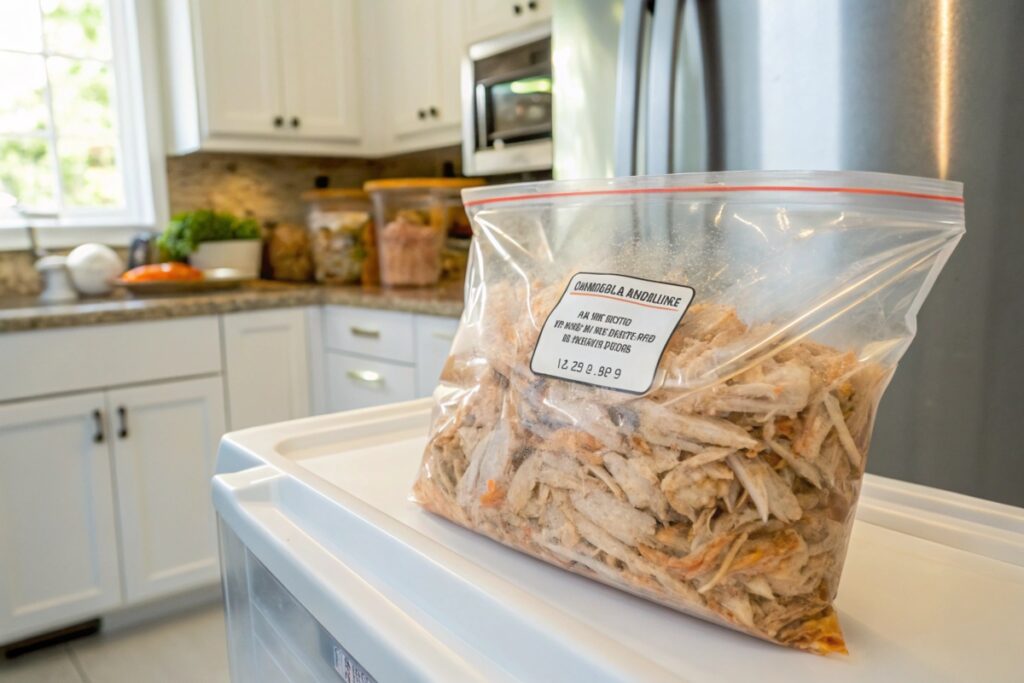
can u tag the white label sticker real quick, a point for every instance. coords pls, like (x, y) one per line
(610, 330)
(349, 668)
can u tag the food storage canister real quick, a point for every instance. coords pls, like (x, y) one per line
(412, 217)
(340, 225)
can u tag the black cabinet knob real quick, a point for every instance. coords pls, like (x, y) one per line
(97, 418)
(278, 121)
(532, 5)
(434, 112)
(517, 9)
(295, 122)
(122, 416)
(421, 114)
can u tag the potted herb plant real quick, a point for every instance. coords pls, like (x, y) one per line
(211, 239)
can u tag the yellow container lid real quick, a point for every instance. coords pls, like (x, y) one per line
(421, 184)
(334, 193)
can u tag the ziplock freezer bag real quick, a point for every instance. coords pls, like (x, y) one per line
(668, 384)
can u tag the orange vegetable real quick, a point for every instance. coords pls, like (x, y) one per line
(162, 272)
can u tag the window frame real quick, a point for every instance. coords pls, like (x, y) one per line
(136, 75)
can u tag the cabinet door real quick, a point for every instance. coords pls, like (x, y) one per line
(266, 365)
(319, 60)
(164, 440)
(241, 66)
(489, 18)
(58, 547)
(355, 382)
(448, 98)
(412, 61)
(434, 337)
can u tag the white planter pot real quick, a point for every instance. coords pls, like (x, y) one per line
(242, 255)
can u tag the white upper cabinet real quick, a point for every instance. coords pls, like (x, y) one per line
(58, 545)
(413, 67)
(320, 57)
(261, 76)
(241, 58)
(164, 439)
(418, 59)
(358, 78)
(488, 18)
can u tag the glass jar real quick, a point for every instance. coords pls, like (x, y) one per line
(340, 225)
(412, 217)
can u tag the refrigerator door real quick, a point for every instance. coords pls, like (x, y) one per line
(585, 38)
(919, 87)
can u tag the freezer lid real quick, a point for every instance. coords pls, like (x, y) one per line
(414, 597)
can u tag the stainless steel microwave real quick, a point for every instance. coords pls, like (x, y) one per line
(506, 104)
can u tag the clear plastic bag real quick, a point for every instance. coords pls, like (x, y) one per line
(668, 384)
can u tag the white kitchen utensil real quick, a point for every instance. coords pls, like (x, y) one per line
(57, 287)
(93, 268)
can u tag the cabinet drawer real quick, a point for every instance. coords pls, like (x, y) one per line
(72, 359)
(369, 332)
(434, 338)
(354, 382)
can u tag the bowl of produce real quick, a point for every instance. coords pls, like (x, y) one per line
(177, 278)
(211, 239)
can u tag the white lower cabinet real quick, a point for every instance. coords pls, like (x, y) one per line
(357, 382)
(266, 367)
(164, 440)
(434, 336)
(372, 357)
(105, 493)
(58, 546)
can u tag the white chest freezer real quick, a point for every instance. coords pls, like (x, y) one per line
(332, 574)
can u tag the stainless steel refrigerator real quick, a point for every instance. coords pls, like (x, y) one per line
(921, 87)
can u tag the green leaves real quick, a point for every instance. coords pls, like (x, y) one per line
(187, 230)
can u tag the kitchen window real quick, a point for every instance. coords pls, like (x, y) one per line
(74, 150)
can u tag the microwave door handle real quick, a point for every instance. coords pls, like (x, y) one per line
(660, 85)
(627, 91)
(532, 71)
(481, 116)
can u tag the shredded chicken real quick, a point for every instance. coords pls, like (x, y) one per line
(731, 501)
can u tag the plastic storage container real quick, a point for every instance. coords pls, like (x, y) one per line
(412, 218)
(341, 226)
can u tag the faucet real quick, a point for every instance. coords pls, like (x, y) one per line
(9, 201)
(52, 269)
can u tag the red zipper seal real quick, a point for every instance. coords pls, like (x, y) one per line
(722, 188)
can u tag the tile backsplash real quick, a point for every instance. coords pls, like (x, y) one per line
(17, 273)
(18, 276)
(265, 187)
(268, 188)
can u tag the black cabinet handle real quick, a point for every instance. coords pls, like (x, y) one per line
(421, 114)
(517, 9)
(532, 5)
(97, 418)
(434, 112)
(295, 122)
(278, 121)
(122, 417)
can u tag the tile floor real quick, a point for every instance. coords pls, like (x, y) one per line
(187, 648)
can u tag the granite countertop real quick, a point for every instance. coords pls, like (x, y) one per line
(19, 313)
